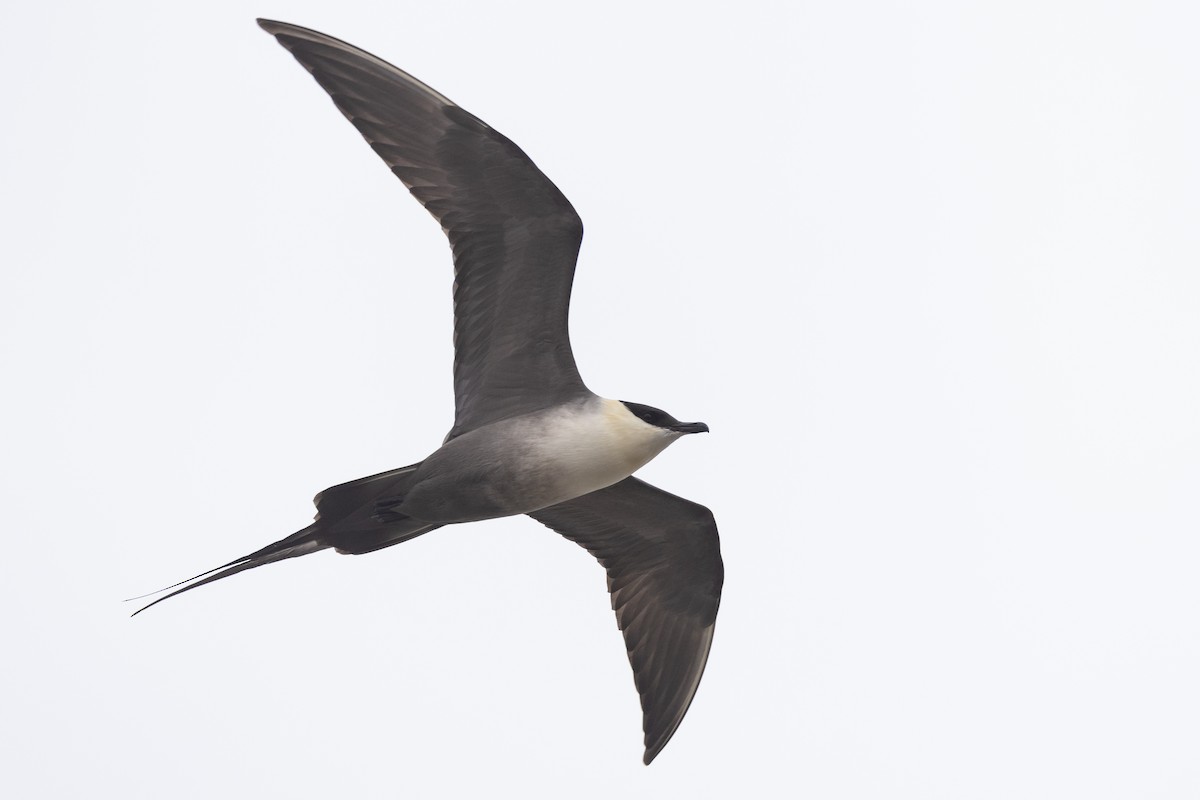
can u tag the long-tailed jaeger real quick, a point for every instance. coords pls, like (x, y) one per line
(528, 436)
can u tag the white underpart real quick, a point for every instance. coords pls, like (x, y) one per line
(604, 444)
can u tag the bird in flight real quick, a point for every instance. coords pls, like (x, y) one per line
(528, 436)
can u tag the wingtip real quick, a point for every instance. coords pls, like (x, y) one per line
(277, 28)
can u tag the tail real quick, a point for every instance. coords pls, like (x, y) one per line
(348, 520)
(300, 543)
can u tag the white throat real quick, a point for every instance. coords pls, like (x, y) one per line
(593, 445)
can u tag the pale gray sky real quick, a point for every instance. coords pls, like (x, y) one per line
(928, 270)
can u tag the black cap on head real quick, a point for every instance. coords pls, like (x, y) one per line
(661, 419)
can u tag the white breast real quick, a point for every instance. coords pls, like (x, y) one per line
(594, 445)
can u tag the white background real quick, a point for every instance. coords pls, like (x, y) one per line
(928, 270)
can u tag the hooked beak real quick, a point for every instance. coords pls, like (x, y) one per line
(690, 427)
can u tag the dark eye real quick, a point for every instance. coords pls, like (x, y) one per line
(648, 417)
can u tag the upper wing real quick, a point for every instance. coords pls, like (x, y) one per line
(515, 237)
(664, 567)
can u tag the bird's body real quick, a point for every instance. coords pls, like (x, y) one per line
(528, 436)
(527, 463)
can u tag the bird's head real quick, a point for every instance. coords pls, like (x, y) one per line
(661, 419)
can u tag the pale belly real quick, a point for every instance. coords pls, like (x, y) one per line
(581, 456)
(532, 462)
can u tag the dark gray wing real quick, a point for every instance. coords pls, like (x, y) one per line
(663, 560)
(514, 236)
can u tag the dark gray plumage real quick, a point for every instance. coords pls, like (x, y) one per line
(664, 574)
(528, 436)
(515, 237)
